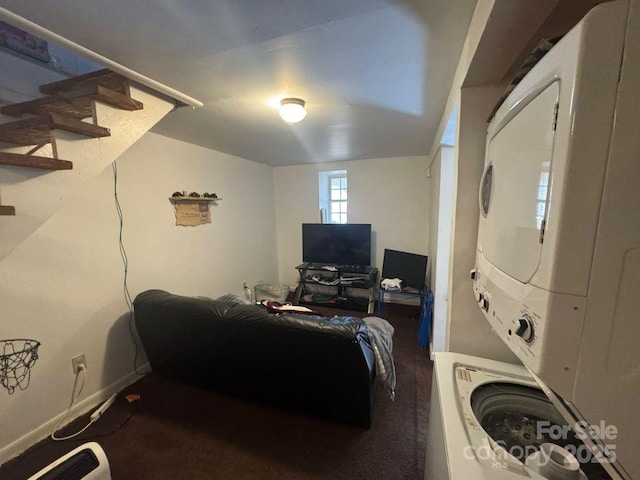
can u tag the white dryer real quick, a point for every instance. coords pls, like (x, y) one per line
(558, 258)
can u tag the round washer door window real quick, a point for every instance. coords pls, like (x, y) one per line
(485, 190)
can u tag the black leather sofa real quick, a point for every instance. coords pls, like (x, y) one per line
(324, 366)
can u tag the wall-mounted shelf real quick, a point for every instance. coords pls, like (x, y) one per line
(194, 199)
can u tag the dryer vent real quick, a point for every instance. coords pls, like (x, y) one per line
(87, 462)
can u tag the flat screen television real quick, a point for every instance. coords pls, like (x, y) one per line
(344, 244)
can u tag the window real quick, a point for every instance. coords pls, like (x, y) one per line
(333, 196)
(543, 187)
(338, 199)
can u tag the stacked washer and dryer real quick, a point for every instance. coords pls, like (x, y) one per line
(557, 274)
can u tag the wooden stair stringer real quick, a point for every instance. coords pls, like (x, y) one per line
(39, 197)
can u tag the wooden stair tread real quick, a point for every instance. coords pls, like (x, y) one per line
(7, 210)
(74, 103)
(106, 78)
(33, 161)
(37, 130)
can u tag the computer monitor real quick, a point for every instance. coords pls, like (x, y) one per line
(409, 267)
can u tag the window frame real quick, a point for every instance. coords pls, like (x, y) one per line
(330, 206)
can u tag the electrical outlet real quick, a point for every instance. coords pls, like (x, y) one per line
(77, 361)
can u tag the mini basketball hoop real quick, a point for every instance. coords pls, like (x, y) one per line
(16, 360)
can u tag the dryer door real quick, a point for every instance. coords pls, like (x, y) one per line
(513, 191)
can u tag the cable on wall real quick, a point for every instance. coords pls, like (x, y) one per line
(95, 415)
(125, 263)
(74, 398)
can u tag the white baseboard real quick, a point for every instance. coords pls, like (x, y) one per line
(23, 443)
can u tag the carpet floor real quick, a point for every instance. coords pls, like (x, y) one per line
(178, 431)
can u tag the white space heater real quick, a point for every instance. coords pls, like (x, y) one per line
(87, 462)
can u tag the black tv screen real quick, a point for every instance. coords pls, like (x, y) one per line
(345, 244)
(410, 267)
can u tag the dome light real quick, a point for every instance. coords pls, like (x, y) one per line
(292, 110)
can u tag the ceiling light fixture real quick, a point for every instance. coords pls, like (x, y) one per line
(292, 110)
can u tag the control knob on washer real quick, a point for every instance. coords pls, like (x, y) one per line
(525, 329)
(484, 303)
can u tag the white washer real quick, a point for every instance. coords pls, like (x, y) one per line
(487, 417)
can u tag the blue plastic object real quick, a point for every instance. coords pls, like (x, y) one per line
(426, 313)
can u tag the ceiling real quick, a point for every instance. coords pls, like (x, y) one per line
(375, 73)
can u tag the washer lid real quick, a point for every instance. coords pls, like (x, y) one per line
(592, 438)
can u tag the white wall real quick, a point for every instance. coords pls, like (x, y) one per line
(468, 331)
(481, 16)
(212, 259)
(434, 173)
(440, 243)
(465, 330)
(63, 285)
(390, 193)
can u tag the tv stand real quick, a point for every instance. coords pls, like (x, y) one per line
(333, 285)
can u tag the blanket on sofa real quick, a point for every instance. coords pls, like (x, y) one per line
(381, 335)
